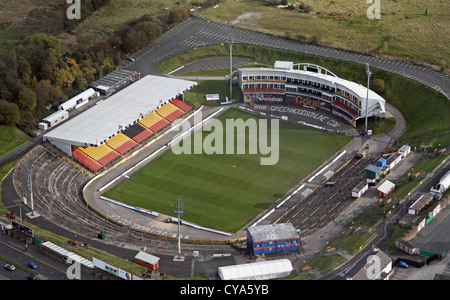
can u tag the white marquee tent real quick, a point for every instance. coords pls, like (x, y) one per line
(257, 271)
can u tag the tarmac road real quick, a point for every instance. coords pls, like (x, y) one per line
(196, 32)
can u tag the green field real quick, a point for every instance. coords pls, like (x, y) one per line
(11, 137)
(226, 192)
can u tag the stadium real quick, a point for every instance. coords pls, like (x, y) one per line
(127, 122)
(310, 86)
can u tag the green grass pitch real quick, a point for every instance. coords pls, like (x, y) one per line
(224, 191)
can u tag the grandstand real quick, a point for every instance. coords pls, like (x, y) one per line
(120, 124)
(154, 122)
(138, 133)
(310, 86)
(181, 105)
(169, 112)
(121, 143)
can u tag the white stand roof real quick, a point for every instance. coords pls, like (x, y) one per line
(101, 122)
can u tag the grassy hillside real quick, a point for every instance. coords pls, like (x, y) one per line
(403, 30)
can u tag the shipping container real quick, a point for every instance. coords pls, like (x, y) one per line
(373, 172)
(360, 189)
(381, 162)
(393, 160)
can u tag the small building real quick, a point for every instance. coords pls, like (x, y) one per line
(283, 65)
(147, 260)
(360, 189)
(404, 150)
(257, 271)
(393, 160)
(369, 271)
(54, 119)
(273, 239)
(419, 204)
(386, 188)
(78, 100)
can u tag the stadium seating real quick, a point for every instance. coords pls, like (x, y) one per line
(85, 160)
(102, 153)
(346, 108)
(169, 112)
(137, 133)
(181, 105)
(154, 122)
(95, 158)
(121, 143)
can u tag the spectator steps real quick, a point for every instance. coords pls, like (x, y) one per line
(100, 157)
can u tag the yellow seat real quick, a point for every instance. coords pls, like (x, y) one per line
(150, 120)
(117, 140)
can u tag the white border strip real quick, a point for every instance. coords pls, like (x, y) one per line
(327, 166)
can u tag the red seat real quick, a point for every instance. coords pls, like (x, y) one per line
(181, 105)
(85, 160)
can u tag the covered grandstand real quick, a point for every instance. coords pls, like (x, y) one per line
(120, 124)
(310, 86)
(115, 81)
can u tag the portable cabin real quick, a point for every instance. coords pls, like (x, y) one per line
(360, 189)
(386, 188)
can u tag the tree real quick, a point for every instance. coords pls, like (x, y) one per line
(132, 40)
(150, 29)
(49, 67)
(47, 94)
(27, 99)
(47, 41)
(9, 113)
(177, 15)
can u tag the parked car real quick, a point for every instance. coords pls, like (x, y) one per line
(403, 264)
(131, 59)
(10, 267)
(32, 265)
